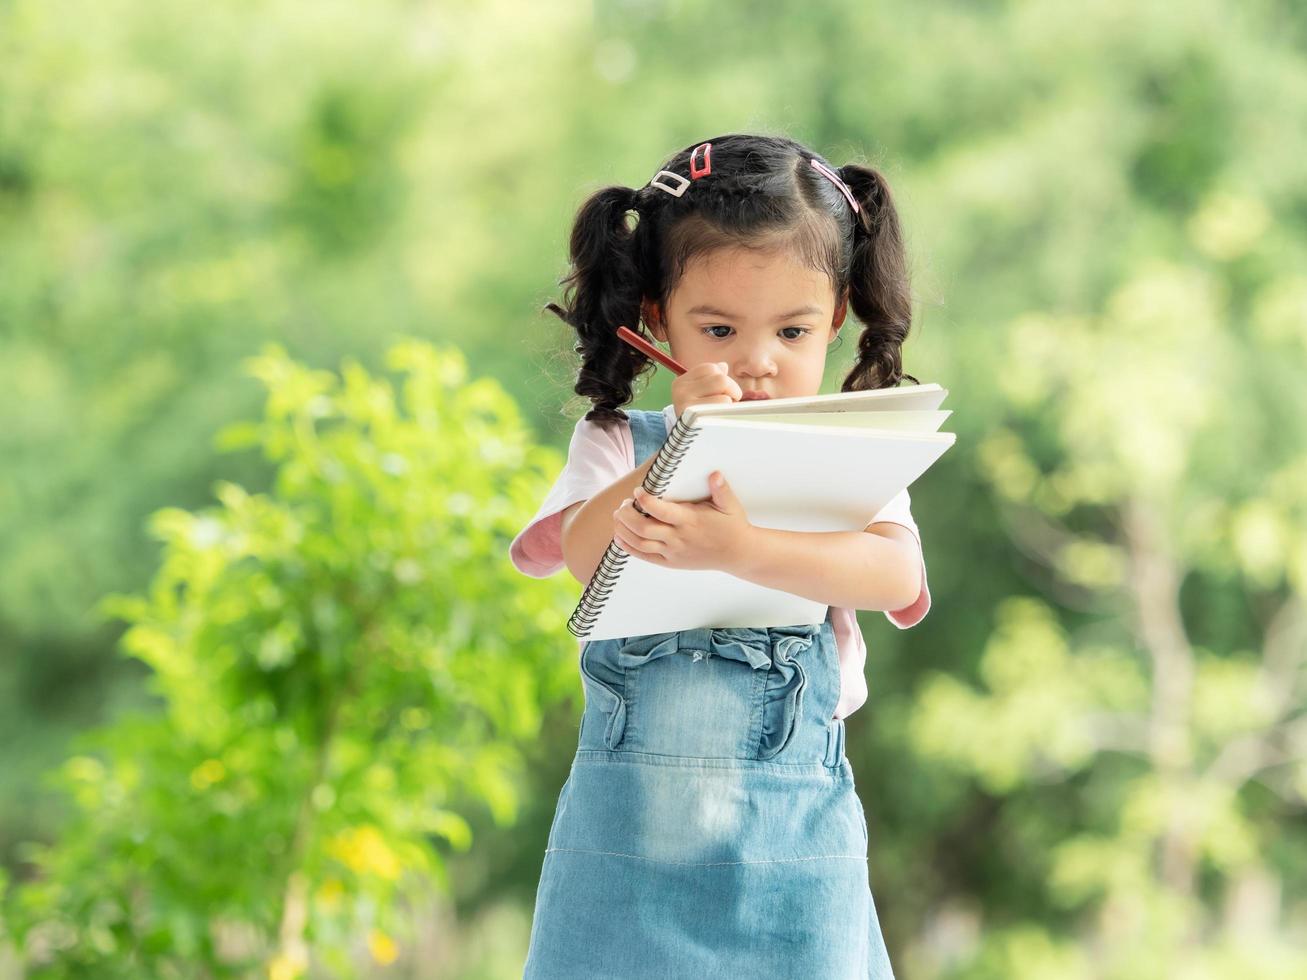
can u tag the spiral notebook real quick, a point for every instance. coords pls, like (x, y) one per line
(813, 463)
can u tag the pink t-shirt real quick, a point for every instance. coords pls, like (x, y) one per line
(598, 456)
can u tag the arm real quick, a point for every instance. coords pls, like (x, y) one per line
(587, 525)
(875, 568)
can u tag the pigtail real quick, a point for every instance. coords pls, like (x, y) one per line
(879, 289)
(602, 292)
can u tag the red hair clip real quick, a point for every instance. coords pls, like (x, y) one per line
(695, 173)
(660, 178)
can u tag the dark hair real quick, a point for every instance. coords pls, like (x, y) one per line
(762, 193)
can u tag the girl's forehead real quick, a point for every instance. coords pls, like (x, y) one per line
(727, 261)
(751, 272)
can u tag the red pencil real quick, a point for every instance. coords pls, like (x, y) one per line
(640, 344)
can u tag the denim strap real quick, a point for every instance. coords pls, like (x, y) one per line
(648, 432)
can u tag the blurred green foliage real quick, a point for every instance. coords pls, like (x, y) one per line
(345, 664)
(1088, 760)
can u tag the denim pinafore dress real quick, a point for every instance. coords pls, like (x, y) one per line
(708, 827)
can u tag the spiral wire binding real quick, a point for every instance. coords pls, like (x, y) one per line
(601, 584)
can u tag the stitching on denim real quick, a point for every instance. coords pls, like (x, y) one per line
(630, 688)
(709, 864)
(642, 757)
(757, 702)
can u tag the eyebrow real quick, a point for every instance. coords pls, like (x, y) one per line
(713, 311)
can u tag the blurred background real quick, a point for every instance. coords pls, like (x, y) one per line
(276, 393)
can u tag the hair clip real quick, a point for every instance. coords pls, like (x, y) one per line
(696, 171)
(675, 192)
(707, 161)
(834, 178)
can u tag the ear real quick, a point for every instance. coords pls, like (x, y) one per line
(840, 311)
(653, 319)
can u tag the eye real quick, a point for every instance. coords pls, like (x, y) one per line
(803, 331)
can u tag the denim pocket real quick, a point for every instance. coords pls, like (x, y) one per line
(605, 684)
(782, 707)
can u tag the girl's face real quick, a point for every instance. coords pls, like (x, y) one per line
(767, 317)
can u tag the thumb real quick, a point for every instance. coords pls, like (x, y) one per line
(723, 497)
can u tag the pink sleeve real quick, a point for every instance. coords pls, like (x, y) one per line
(899, 511)
(597, 456)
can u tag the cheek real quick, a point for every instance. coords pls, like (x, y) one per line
(814, 372)
(692, 345)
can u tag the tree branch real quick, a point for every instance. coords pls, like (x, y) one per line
(1155, 586)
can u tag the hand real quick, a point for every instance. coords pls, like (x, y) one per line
(703, 534)
(704, 384)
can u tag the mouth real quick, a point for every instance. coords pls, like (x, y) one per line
(753, 396)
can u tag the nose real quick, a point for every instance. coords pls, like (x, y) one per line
(756, 362)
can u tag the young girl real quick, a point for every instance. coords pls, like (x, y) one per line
(709, 826)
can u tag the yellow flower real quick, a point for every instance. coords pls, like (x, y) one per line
(382, 947)
(365, 850)
(283, 966)
(207, 773)
(329, 893)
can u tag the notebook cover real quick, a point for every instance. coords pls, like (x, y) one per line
(832, 479)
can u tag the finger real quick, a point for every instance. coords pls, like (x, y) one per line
(726, 383)
(662, 511)
(638, 546)
(649, 530)
(636, 525)
(723, 497)
(709, 387)
(714, 400)
(619, 515)
(647, 533)
(709, 369)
